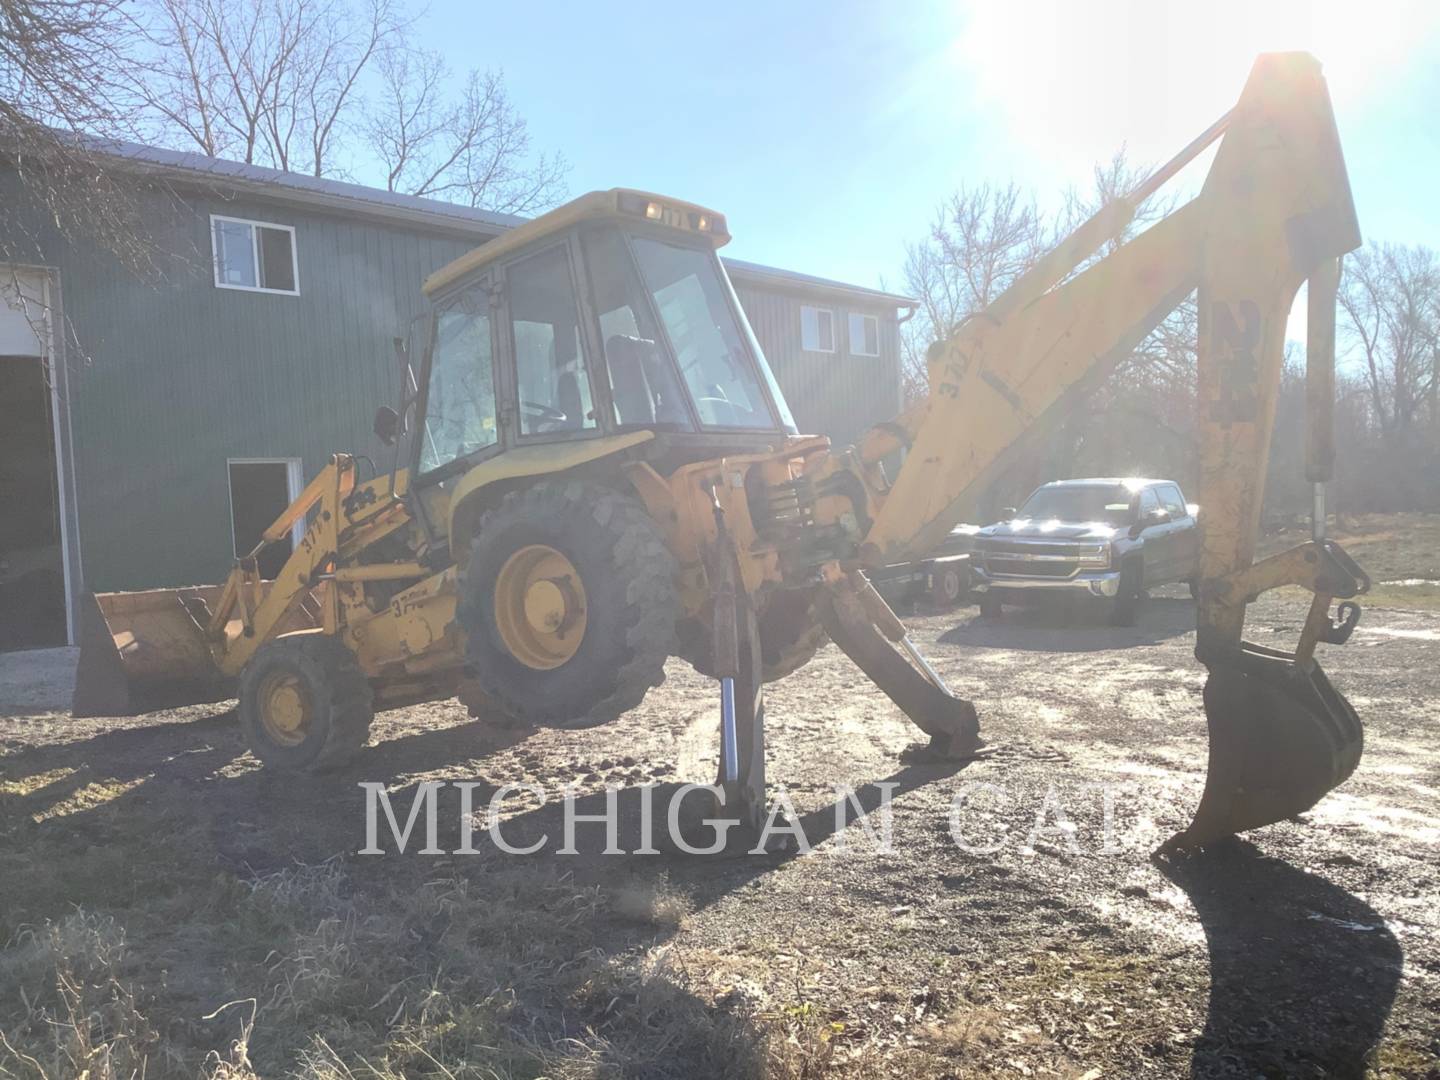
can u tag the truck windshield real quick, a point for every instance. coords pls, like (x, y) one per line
(701, 326)
(1108, 504)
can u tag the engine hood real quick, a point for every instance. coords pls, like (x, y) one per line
(1027, 528)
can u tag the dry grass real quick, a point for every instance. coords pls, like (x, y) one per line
(525, 974)
(1393, 548)
(651, 904)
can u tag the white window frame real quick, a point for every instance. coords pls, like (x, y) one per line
(859, 350)
(818, 312)
(294, 484)
(255, 255)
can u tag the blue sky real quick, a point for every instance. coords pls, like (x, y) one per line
(827, 133)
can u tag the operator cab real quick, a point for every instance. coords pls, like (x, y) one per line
(608, 315)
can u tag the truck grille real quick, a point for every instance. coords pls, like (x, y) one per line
(1027, 568)
(1037, 558)
(1027, 547)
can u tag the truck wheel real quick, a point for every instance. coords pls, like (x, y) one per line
(990, 606)
(305, 705)
(568, 602)
(790, 636)
(1127, 599)
(947, 586)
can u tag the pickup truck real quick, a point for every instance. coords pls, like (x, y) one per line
(1104, 538)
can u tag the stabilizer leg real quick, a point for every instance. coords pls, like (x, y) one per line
(855, 616)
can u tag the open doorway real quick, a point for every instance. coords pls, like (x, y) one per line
(260, 490)
(32, 562)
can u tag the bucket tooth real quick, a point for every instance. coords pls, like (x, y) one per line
(1281, 737)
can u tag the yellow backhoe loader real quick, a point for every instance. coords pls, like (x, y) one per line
(595, 470)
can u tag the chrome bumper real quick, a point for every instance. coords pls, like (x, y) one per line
(1088, 582)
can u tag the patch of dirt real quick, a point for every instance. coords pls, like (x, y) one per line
(150, 865)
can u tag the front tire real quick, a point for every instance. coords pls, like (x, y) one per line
(1125, 606)
(568, 602)
(305, 705)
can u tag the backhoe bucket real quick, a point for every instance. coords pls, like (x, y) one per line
(141, 651)
(1280, 738)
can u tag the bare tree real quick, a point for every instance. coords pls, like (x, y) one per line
(473, 149)
(63, 72)
(1390, 307)
(327, 86)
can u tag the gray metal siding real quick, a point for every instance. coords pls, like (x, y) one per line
(170, 379)
(837, 394)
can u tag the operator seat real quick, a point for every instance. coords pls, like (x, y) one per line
(634, 401)
(568, 401)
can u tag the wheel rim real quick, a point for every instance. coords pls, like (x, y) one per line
(540, 607)
(287, 710)
(950, 586)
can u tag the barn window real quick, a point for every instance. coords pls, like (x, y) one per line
(864, 335)
(817, 329)
(254, 255)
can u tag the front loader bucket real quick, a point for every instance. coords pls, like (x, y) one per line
(1280, 738)
(141, 651)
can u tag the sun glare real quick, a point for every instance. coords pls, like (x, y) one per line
(1076, 81)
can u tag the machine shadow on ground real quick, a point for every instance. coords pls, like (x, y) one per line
(1302, 973)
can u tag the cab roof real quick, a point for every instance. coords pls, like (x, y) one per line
(618, 203)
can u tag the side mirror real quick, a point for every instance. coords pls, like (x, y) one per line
(1008, 512)
(387, 425)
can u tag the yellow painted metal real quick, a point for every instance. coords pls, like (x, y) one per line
(380, 572)
(540, 607)
(1275, 205)
(595, 206)
(537, 460)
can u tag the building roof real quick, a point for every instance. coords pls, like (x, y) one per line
(183, 166)
(772, 275)
(264, 182)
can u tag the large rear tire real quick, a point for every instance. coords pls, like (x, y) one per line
(305, 704)
(790, 636)
(568, 602)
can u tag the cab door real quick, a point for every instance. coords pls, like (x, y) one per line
(1158, 540)
(1185, 536)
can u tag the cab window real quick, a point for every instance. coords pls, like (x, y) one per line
(460, 399)
(643, 384)
(702, 330)
(551, 374)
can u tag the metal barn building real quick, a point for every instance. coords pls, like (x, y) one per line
(151, 427)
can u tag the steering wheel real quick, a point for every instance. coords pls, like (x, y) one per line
(719, 408)
(546, 413)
